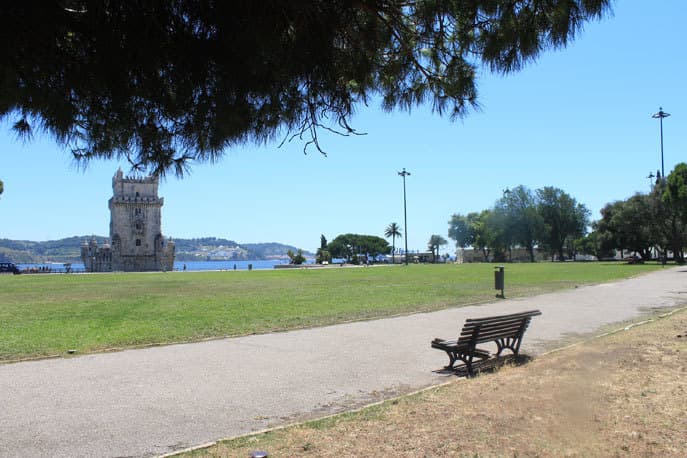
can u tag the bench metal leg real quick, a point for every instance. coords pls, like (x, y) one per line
(468, 358)
(512, 343)
(451, 360)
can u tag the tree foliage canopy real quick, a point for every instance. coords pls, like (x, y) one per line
(322, 253)
(436, 241)
(296, 258)
(629, 225)
(563, 217)
(393, 230)
(675, 190)
(476, 229)
(520, 218)
(594, 244)
(460, 229)
(164, 84)
(645, 223)
(546, 218)
(348, 245)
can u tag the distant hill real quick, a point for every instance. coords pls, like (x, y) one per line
(200, 249)
(271, 250)
(25, 251)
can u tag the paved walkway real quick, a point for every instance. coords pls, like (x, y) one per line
(153, 401)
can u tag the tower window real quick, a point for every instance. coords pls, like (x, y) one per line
(138, 242)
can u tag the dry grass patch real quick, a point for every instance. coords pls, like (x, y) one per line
(621, 395)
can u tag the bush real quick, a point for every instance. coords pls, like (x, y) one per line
(296, 258)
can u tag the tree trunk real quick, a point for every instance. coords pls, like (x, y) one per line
(393, 250)
(676, 245)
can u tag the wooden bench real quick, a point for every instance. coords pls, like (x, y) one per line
(504, 330)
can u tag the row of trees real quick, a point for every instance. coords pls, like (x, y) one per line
(350, 246)
(548, 219)
(645, 224)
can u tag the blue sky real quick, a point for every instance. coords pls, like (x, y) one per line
(578, 119)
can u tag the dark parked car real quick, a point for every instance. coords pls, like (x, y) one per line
(8, 268)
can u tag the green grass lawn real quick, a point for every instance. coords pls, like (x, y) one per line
(43, 315)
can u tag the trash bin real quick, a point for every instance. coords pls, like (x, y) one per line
(499, 280)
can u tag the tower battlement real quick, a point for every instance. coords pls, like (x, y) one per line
(134, 186)
(119, 176)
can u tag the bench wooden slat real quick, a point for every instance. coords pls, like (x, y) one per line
(496, 323)
(530, 313)
(509, 331)
(495, 336)
(506, 329)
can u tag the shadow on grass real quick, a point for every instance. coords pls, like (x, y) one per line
(488, 366)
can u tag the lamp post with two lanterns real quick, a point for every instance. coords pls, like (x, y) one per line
(404, 174)
(660, 115)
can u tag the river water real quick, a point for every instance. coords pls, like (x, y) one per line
(178, 265)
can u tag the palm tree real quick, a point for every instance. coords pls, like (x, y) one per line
(393, 230)
(434, 242)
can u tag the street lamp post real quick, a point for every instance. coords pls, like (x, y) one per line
(404, 174)
(660, 115)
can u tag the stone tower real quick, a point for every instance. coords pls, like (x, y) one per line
(136, 241)
(136, 226)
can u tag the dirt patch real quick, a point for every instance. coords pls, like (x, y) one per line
(621, 395)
